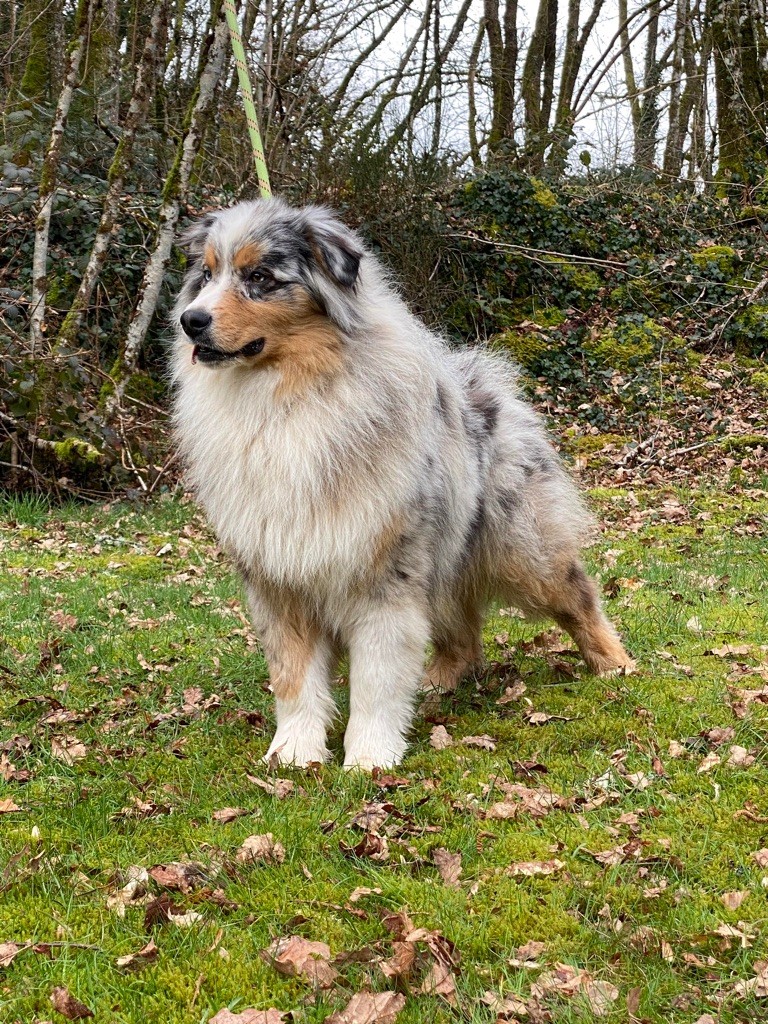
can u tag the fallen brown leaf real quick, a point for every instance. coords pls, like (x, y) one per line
(483, 742)
(66, 1004)
(449, 866)
(440, 981)
(740, 757)
(261, 848)
(529, 868)
(281, 788)
(368, 1008)
(371, 846)
(179, 876)
(248, 1017)
(757, 986)
(297, 957)
(8, 806)
(8, 953)
(142, 809)
(68, 749)
(440, 738)
(227, 814)
(760, 857)
(507, 1007)
(733, 900)
(135, 961)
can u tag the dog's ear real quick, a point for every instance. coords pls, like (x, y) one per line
(336, 248)
(192, 239)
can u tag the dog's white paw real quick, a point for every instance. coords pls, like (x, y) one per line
(298, 751)
(366, 757)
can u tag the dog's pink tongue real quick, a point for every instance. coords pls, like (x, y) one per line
(195, 350)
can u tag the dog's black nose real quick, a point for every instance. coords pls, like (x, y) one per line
(195, 322)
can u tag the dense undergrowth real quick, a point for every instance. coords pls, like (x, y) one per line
(598, 287)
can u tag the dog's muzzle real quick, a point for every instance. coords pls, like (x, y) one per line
(196, 324)
(208, 353)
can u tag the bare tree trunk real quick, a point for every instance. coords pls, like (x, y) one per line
(629, 69)
(503, 47)
(121, 164)
(739, 45)
(173, 192)
(673, 150)
(537, 83)
(647, 127)
(49, 173)
(474, 57)
(573, 55)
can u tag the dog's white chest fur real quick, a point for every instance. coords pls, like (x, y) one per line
(270, 481)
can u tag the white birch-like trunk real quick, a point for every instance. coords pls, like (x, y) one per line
(48, 176)
(169, 210)
(121, 164)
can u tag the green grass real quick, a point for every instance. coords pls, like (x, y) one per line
(686, 577)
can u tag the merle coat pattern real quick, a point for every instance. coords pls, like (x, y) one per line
(376, 489)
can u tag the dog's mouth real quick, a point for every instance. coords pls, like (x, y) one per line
(209, 354)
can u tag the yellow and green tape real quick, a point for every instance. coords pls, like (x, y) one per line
(247, 95)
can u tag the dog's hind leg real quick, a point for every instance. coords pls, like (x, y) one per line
(565, 593)
(386, 653)
(300, 660)
(458, 648)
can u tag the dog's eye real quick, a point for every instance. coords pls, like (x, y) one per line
(207, 275)
(259, 277)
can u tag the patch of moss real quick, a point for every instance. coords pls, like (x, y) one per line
(73, 449)
(751, 326)
(586, 444)
(543, 195)
(578, 275)
(525, 347)
(629, 344)
(744, 442)
(723, 256)
(759, 380)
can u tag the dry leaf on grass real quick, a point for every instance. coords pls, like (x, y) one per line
(8, 806)
(180, 876)
(163, 910)
(760, 857)
(68, 749)
(482, 742)
(248, 1017)
(66, 1004)
(371, 846)
(449, 866)
(440, 981)
(708, 763)
(8, 953)
(372, 816)
(529, 868)
(227, 814)
(440, 738)
(135, 961)
(508, 1006)
(733, 900)
(142, 809)
(134, 891)
(742, 931)
(297, 957)
(360, 891)
(62, 620)
(369, 1008)
(740, 757)
(757, 986)
(281, 788)
(262, 848)
(570, 981)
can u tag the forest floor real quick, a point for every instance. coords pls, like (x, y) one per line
(555, 847)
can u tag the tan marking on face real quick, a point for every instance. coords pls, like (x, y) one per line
(298, 338)
(210, 259)
(249, 256)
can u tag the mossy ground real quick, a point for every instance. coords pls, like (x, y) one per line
(158, 610)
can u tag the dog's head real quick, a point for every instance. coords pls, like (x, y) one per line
(268, 285)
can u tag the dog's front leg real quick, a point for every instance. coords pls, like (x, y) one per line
(300, 660)
(386, 653)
